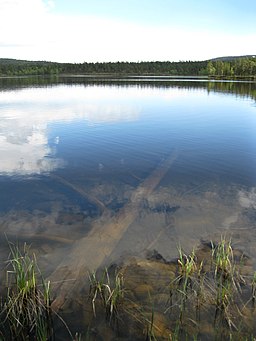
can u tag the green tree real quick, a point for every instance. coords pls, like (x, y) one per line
(211, 70)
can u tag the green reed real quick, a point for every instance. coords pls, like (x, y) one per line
(213, 285)
(187, 268)
(26, 311)
(227, 282)
(253, 288)
(109, 293)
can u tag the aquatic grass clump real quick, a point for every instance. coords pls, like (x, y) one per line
(213, 284)
(26, 311)
(187, 295)
(227, 280)
(109, 293)
(187, 267)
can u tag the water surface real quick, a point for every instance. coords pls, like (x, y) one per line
(74, 151)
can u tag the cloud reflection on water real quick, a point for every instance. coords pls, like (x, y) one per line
(25, 117)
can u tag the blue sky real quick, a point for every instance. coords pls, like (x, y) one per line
(233, 15)
(127, 30)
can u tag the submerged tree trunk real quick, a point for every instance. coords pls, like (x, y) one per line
(92, 251)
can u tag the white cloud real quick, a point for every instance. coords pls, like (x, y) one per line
(22, 21)
(33, 31)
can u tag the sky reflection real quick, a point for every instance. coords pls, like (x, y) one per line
(25, 116)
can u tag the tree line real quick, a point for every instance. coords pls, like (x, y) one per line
(235, 67)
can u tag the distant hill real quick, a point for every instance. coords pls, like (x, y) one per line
(231, 58)
(10, 61)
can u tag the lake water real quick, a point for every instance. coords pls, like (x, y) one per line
(170, 162)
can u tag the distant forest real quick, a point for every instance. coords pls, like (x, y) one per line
(220, 67)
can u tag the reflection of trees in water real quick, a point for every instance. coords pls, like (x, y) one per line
(243, 89)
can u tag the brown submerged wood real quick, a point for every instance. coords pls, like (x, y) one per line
(39, 237)
(91, 251)
(79, 190)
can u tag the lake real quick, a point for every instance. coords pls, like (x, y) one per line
(97, 173)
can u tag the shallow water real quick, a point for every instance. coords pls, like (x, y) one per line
(83, 160)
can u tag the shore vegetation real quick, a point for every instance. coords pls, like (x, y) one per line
(230, 67)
